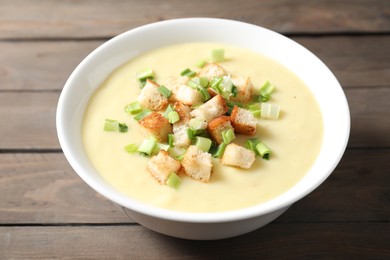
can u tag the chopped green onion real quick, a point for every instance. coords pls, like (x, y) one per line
(164, 91)
(231, 105)
(161, 146)
(173, 180)
(228, 136)
(147, 146)
(217, 55)
(205, 94)
(220, 150)
(187, 72)
(173, 117)
(114, 125)
(203, 143)
(270, 110)
(176, 151)
(192, 133)
(133, 108)
(197, 84)
(255, 108)
(251, 144)
(265, 91)
(180, 157)
(215, 84)
(141, 115)
(131, 148)
(263, 150)
(144, 75)
(197, 123)
(171, 139)
(201, 63)
(168, 110)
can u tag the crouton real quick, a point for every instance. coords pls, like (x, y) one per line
(211, 70)
(162, 165)
(213, 108)
(197, 164)
(188, 96)
(238, 156)
(243, 121)
(151, 98)
(156, 125)
(244, 89)
(183, 111)
(217, 126)
(173, 84)
(180, 136)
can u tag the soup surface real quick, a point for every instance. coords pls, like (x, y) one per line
(295, 138)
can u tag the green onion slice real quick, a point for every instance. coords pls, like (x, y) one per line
(203, 143)
(168, 110)
(217, 55)
(220, 150)
(251, 144)
(173, 117)
(143, 114)
(270, 110)
(187, 72)
(133, 108)
(171, 139)
(147, 146)
(265, 91)
(131, 148)
(200, 63)
(114, 125)
(173, 180)
(164, 91)
(263, 150)
(144, 75)
(228, 136)
(197, 123)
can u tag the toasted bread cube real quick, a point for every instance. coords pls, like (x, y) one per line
(180, 136)
(213, 108)
(162, 165)
(197, 164)
(243, 121)
(238, 156)
(188, 96)
(151, 98)
(211, 70)
(173, 84)
(156, 125)
(183, 111)
(244, 89)
(217, 126)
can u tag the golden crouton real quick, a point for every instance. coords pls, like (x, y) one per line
(173, 84)
(243, 121)
(238, 156)
(211, 70)
(156, 125)
(244, 89)
(180, 136)
(151, 98)
(213, 108)
(183, 111)
(188, 96)
(162, 165)
(197, 164)
(217, 126)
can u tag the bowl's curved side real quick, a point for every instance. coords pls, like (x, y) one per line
(105, 59)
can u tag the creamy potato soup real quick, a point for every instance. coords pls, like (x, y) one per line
(295, 137)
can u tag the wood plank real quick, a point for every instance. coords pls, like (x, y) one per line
(47, 65)
(43, 188)
(87, 18)
(275, 241)
(30, 119)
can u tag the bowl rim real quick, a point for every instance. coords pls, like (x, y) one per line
(193, 217)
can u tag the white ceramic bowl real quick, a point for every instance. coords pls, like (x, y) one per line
(101, 62)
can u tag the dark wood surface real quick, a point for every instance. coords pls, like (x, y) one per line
(47, 211)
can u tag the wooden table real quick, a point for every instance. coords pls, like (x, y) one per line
(47, 211)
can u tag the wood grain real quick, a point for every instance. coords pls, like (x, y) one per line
(30, 119)
(275, 241)
(25, 19)
(43, 189)
(356, 61)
